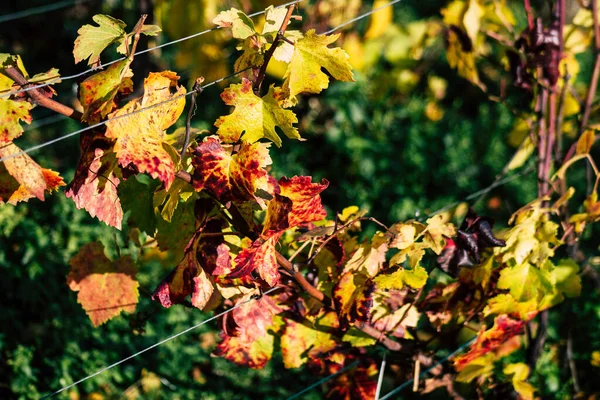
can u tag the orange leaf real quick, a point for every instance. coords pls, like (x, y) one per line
(261, 256)
(231, 176)
(252, 345)
(21, 178)
(504, 329)
(105, 288)
(94, 186)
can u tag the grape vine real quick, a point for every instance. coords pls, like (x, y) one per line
(237, 233)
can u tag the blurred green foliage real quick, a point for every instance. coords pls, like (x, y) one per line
(372, 140)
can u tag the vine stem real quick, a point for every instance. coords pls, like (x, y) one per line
(40, 98)
(280, 36)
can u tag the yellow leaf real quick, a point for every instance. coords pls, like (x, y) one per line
(379, 20)
(415, 278)
(140, 137)
(92, 40)
(585, 142)
(304, 71)
(522, 155)
(520, 372)
(472, 19)
(254, 117)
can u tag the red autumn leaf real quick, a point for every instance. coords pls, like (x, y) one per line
(504, 329)
(360, 383)
(21, 178)
(139, 138)
(94, 186)
(105, 288)
(252, 345)
(188, 278)
(306, 203)
(228, 176)
(212, 252)
(261, 256)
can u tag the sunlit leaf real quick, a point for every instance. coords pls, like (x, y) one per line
(140, 137)
(104, 288)
(310, 55)
(254, 117)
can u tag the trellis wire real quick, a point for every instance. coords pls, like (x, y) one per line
(69, 77)
(87, 128)
(391, 3)
(156, 345)
(41, 10)
(314, 385)
(428, 370)
(68, 135)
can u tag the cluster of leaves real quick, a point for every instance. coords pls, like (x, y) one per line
(234, 229)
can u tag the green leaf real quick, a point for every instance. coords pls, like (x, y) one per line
(358, 338)
(415, 278)
(92, 40)
(136, 197)
(525, 282)
(97, 93)
(175, 235)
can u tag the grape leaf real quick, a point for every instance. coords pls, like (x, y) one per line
(415, 278)
(504, 329)
(359, 383)
(11, 111)
(369, 257)
(231, 177)
(188, 278)
(304, 70)
(241, 26)
(506, 304)
(140, 137)
(520, 372)
(311, 339)
(136, 198)
(394, 321)
(97, 93)
(358, 338)
(254, 117)
(253, 342)
(352, 296)
(96, 180)
(105, 288)
(175, 235)
(262, 257)
(305, 203)
(525, 282)
(21, 178)
(92, 40)
(166, 201)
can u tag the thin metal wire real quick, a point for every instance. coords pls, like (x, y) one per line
(41, 9)
(50, 142)
(314, 385)
(380, 379)
(391, 3)
(493, 185)
(87, 128)
(155, 345)
(45, 121)
(428, 370)
(57, 79)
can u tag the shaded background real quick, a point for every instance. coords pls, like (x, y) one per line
(391, 143)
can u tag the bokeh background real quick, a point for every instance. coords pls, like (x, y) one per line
(408, 138)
